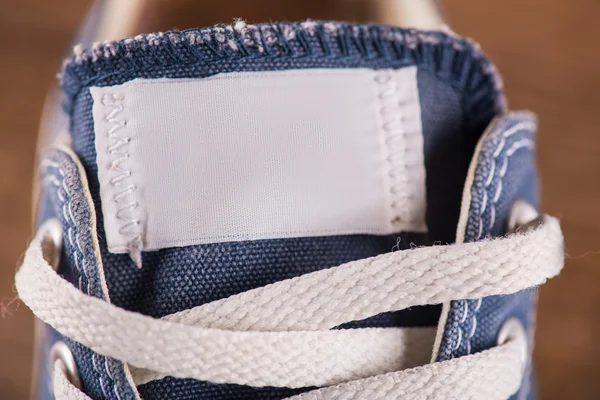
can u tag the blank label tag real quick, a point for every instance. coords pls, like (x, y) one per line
(260, 155)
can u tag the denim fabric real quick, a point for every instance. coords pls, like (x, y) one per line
(459, 93)
(505, 171)
(451, 71)
(446, 143)
(63, 198)
(103, 377)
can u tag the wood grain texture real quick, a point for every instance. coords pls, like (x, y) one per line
(548, 54)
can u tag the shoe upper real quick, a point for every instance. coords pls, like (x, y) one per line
(473, 160)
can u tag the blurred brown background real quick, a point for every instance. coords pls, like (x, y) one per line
(548, 53)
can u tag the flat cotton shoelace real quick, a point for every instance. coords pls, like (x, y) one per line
(280, 335)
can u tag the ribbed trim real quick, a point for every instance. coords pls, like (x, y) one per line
(456, 60)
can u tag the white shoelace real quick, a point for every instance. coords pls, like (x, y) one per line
(280, 335)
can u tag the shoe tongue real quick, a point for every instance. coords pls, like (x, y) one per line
(229, 158)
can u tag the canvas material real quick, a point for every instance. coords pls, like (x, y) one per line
(305, 153)
(505, 171)
(459, 95)
(63, 197)
(480, 320)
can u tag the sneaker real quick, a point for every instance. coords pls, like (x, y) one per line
(311, 210)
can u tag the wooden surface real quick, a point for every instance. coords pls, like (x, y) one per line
(548, 54)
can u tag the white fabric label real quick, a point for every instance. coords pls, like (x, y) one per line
(259, 155)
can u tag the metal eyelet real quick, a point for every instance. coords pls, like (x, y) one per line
(512, 330)
(51, 238)
(61, 352)
(523, 217)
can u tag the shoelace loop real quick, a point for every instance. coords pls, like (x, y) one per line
(279, 335)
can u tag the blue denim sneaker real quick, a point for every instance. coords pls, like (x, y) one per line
(312, 210)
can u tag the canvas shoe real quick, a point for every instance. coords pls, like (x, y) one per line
(310, 210)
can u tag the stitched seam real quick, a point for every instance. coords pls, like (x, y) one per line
(473, 325)
(209, 45)
(118, 148)
(525, 143)
(519, 144)
(460, 323)
(400, 158)
(110, 375)
(67, 210)
(509, 132)
(259, 35)
(99, 374)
